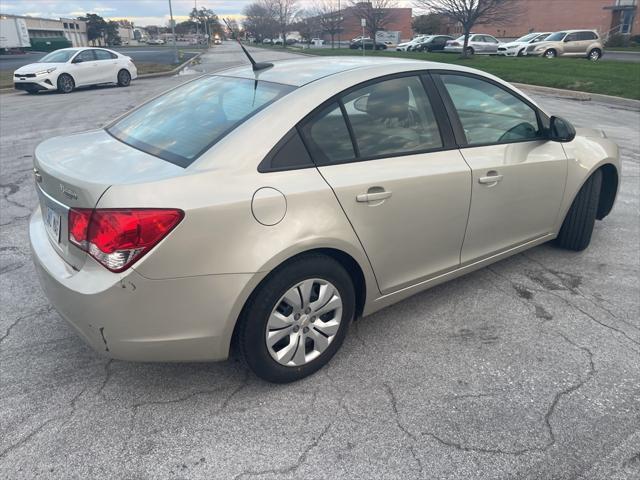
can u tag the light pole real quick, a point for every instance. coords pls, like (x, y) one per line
(339, 23)
(173, 34)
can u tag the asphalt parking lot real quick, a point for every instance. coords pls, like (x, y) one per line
(528, 369)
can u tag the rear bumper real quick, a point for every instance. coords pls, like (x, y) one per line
(129, 317)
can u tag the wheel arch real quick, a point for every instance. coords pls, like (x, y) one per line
(350, 264)
(609, 189)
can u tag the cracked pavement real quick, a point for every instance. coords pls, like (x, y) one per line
(529, 368)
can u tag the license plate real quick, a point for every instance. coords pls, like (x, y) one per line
(52, 223)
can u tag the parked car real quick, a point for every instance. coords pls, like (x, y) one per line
(569, 43)
(367, 44)
(433, 43)
(291, 41)
(363, 198)
(408, 46)
(217, 41)
(318, 42)
(68, 68)
(155, 41)
(478, 44)
(518, 47)
(267, 41)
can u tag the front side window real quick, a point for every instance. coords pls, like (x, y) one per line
(572, 37)
(490, 114)
(181, 124)
(392, 117)
(86, 56)
(328, 138)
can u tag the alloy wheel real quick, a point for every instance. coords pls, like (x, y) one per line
(304, 322)
(124, 78)
(594, 55)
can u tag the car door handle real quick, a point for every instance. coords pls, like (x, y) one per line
(491, 179)
(373, 197)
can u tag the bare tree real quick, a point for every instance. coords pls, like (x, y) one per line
(330, 18)
(260, 21)
(284, 12)
(377, 13)
(308, 25)
(472, 12)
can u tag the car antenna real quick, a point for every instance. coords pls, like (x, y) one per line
(256, 66)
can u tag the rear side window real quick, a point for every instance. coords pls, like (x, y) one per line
(104, 55)
(289, 154)
(587, 36)
(327, 136)
(392, 117)
(185, 122)
(490, 114)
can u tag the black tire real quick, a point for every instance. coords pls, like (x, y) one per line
(551, 53)
(594, 55)
(124, 78)
(521, 53)
(252, 324)
(576, 230)
(66, 83)
(470, 51)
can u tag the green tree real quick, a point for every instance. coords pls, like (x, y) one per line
(96, 27)
(111, 35)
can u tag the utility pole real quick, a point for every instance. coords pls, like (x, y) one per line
(173, 34)
(363, 22)
(195, 5)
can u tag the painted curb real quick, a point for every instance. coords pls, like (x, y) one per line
(581, 96)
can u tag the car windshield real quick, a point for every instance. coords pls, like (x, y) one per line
(556, 37)
(181, 124)
(526, 38)
(59, 56)
(542, 37)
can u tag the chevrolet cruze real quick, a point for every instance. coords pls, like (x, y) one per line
(263, 209)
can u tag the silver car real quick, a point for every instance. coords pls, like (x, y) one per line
(264, 211)
(478, 44)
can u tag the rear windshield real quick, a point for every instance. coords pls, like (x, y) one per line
(185, 122)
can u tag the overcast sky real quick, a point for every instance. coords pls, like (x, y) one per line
(141, 12)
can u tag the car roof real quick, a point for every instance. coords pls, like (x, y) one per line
(299, 72)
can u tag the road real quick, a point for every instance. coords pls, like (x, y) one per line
(528, 369)
(143, 54)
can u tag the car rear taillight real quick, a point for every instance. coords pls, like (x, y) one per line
(117, 238)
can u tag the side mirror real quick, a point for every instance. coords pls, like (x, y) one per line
(560, 130)
(361, 104)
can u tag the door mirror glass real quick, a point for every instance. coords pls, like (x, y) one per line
(361, 104)
(560, 130)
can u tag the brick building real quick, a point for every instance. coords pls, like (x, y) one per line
(605, 16)
(397, 19)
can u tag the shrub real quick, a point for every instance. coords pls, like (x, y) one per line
(618, 40)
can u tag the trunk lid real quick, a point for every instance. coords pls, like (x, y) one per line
(74, 172)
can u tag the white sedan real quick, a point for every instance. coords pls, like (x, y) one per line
(478, 44)
(68, 68)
